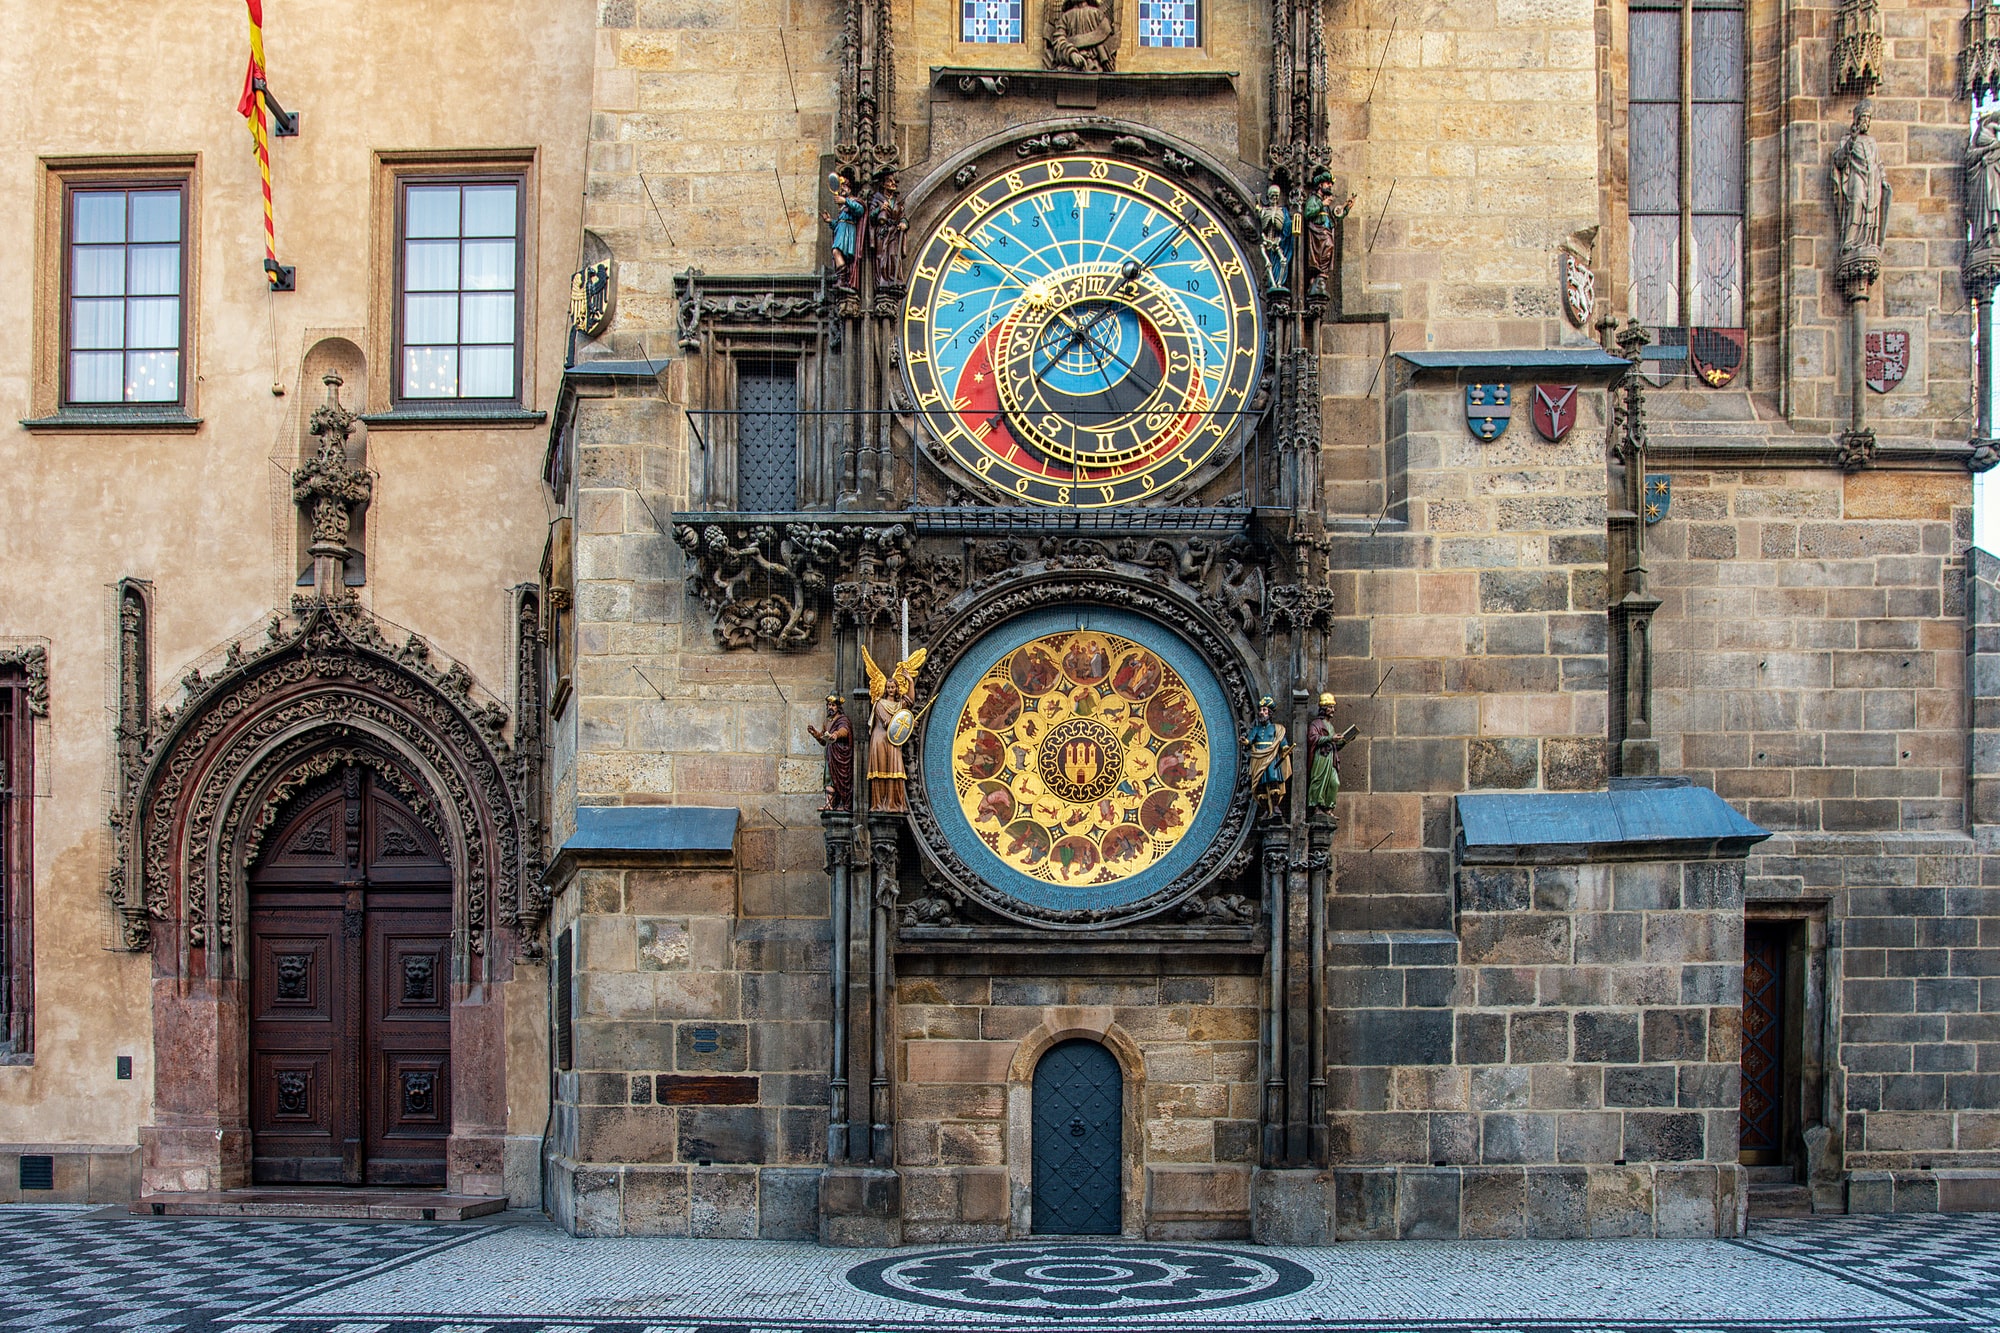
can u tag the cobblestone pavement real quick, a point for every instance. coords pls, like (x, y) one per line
(73, 1269)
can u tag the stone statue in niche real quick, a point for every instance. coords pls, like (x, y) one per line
(1274, 237)
(845, 220)
(886, 230)
(892, 697)
(1322, 224)
(1270, 761)
(1861, 191)
(1982, 182)
(1323, 747)
(1081, 36)
(838, 742)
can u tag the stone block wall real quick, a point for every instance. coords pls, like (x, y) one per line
(1565, 1060)
(1480, 633)
(697, 1101)
(1184, 1030)
(1809, 647)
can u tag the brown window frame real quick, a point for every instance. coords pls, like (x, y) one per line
(58, 179)
(401, 181)
(17, 880)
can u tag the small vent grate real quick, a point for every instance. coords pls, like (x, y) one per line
(38, 1171)
(563, 978)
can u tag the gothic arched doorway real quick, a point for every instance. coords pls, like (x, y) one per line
(350, 918)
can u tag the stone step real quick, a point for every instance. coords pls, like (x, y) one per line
(1771, 1200)
(370, 1205)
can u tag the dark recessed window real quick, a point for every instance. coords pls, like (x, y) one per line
(459, 289)
(124, 318)
(17, 790)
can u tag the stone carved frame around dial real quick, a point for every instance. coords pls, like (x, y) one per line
(972, 615)
(930, 201)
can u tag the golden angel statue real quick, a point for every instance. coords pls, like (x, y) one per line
(892, 698)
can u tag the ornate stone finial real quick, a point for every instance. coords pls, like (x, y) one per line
(329, 489)
(1080, 36)
(1979, 60)
(1861, 198)
(1632, 340)
(1981, 270)
(1857, 50)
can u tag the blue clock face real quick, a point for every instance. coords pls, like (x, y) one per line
(1082, 332)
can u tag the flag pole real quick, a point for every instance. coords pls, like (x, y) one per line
(255, 106)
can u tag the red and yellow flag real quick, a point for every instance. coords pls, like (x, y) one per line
(251, 106)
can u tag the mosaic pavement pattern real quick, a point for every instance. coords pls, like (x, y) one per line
(76, 1269)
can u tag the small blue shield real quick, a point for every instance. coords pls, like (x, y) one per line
(1487, 409)
(1659, 496)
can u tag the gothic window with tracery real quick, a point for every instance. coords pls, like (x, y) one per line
(1685, 162)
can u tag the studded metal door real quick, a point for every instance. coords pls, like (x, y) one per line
(767, 439)
(1762, 1110)
(1079, 1109)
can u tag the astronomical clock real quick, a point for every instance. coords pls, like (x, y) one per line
(1083, 333)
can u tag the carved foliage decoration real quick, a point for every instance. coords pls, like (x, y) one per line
(324, 689)
(1107, 583)
(762, 583)
(700, 299)
(33, 659)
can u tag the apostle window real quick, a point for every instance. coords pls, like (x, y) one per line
(124, 279)
(458, 306)
(989, 21)
(1685, 177)
(1173, 23)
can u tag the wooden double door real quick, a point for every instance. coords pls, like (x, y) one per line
(350, 992)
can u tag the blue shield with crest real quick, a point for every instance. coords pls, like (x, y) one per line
(1487, 409)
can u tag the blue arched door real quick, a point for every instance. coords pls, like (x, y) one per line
(1079, 1113)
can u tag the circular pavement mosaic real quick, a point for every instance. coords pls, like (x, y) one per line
(1071, 1278)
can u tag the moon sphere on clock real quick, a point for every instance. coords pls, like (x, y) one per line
(1082, 332)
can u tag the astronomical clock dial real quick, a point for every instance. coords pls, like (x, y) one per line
(1080, 763)
(1081, 332)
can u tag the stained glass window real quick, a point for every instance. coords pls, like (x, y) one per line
(1170, 22)
(1686, 216)
(989, 20)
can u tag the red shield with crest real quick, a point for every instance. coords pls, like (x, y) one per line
(1888, 356)
(1553, 407)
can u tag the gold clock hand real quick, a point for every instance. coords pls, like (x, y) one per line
(959, 241)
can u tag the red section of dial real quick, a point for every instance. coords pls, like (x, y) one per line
(976, 401)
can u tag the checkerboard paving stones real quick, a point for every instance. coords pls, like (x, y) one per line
(1948, 1260)
(73, 1271)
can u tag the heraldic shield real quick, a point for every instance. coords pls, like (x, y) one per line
(1659, 496)
(1579, 290)
(1552, 407)
(1488, 407)
(1888, 358)
(1718, 355)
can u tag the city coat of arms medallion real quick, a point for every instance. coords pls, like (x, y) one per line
(1887, 353)
(1552, 407)
(1080, 762)
(1488, 407)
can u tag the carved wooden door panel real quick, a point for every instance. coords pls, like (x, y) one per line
(350, 995)
(1762, 1121)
